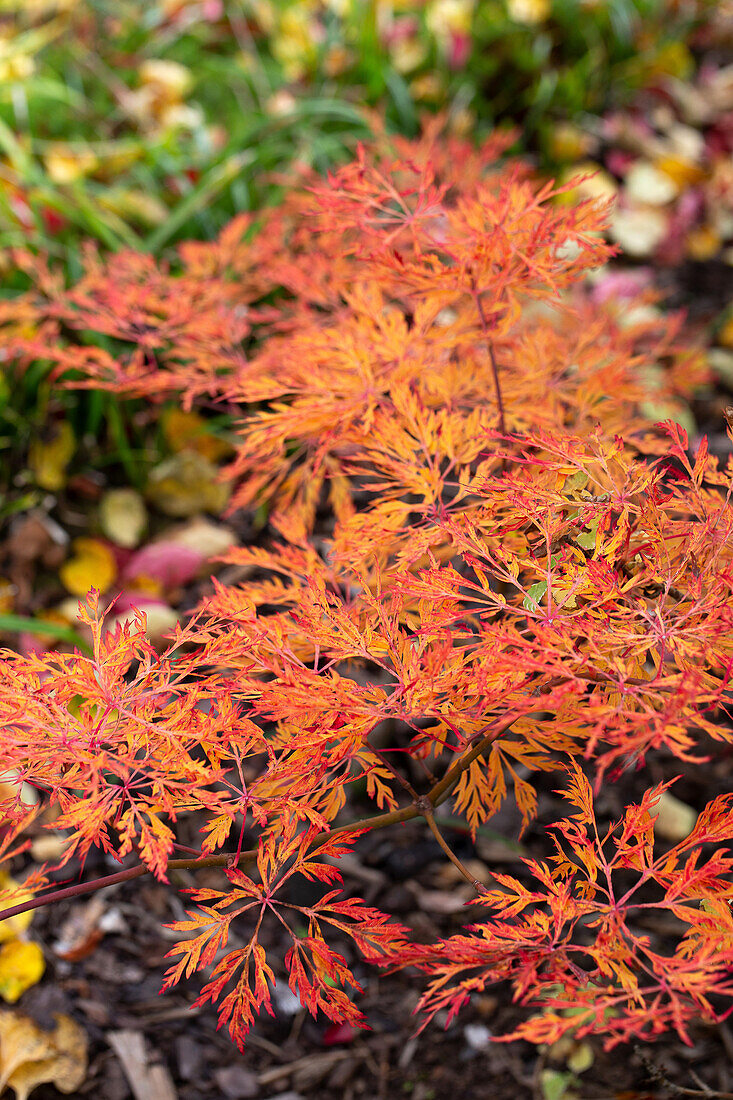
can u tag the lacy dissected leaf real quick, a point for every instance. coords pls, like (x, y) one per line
(575, 935)
(241, 979)
(487, 563)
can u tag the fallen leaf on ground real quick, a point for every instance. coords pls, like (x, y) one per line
(12, 893)
(12, 785)
(338, 1034)
(647, 184)
(166, 564)
(160, 619)
(80, 933)
(147, 1080)
(189, 431)
(92, 566)
(123, 517)
(48, 459)
(49, 847)
(30, 1057)
(187, 483)
(638, 231)
(66, 163)
(599, 184)
(674, 820)
(21, 966)
(554, 1084)
(443, 901)
(209, 539)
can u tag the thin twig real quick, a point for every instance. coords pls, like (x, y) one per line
(382, 757)
(435, 796)
(425, 807)
(492, 358)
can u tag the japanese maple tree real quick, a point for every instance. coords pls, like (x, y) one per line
(479, 539)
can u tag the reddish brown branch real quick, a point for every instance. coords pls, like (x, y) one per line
(435, 796)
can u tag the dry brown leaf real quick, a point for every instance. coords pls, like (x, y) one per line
(30, 1057)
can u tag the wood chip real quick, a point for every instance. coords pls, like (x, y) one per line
(309, 1061)
(148, 1080)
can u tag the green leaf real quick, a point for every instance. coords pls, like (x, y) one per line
(554, 1083)
(587, 538)
(535, 592)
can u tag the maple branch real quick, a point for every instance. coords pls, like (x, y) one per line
(437, 794)
(658, 1075)
(425, 807)
(441, 790)
(382, 757)
(492, 357)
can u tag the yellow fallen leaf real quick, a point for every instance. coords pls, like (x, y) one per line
(30, 1057)
(48, 459)
(93, 566)
(7, 592)
(16, 68)
(599, 186)
(683, 172)
(170, 80)
(580, 1058)
(672, 59)
(21, 966)
(408, 54)
(66, 164)
(123, 517)
(20, 1042)
(568, 142)
(186, 483)
(703, 243)
(11, 928)
(189, 431)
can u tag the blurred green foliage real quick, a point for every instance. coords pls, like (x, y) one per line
(138, 125)
(141, 124)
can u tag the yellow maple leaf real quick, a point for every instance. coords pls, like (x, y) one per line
(93, 566)
(21, 966)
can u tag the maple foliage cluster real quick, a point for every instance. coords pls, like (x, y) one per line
(481, 542)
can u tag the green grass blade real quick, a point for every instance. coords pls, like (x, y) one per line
(20, 623)
(215, 180)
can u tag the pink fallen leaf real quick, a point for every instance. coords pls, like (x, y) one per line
(168, 563)
(338, 1035)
